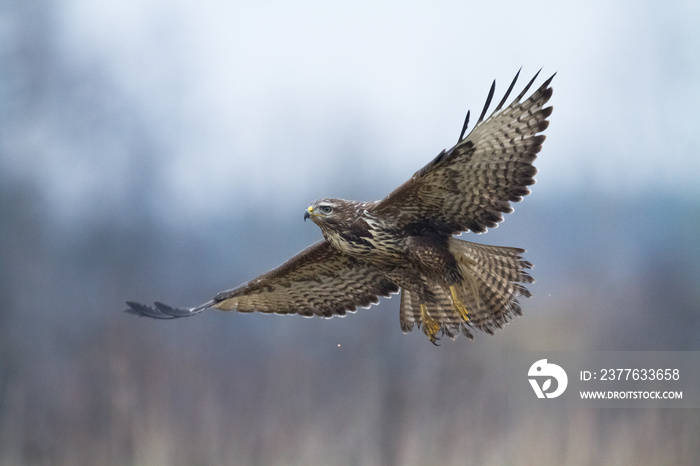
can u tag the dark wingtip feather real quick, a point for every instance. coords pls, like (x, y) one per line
(488, 102)
(163, 311)
(464, 128)
(171, 311)
(145, 311)
(549, 80)
(527, 88)
(547, 92)
(510, 88)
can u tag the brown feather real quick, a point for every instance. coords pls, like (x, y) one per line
(470, 186)
(372, 249)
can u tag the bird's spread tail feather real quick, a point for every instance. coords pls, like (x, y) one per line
(494, 277)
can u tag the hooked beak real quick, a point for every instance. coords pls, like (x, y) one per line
(308, 212)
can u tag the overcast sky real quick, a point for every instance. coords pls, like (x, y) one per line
(256, 100)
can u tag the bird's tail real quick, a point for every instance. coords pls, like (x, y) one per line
(494, 277)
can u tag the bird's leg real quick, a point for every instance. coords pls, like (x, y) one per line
(458, 305)
(430, 325)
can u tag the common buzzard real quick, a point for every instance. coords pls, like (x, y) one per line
(405, 242)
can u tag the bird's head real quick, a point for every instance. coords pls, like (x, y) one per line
(322, 211)
(331, 213)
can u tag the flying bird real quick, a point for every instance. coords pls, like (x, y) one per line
(406, 242)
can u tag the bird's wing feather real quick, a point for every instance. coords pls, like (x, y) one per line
(318, 281)
(469, 187)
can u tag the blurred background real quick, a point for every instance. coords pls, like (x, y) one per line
(154, 150)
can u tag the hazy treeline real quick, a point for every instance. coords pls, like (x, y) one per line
(86, 223)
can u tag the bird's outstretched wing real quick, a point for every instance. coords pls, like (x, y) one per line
(318, 281)
(470, 186)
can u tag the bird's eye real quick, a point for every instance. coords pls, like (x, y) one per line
(326, 209)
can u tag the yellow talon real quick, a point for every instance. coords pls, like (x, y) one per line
(430, 326)
(459, 305)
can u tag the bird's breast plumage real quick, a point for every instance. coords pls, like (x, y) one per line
(370, 239)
